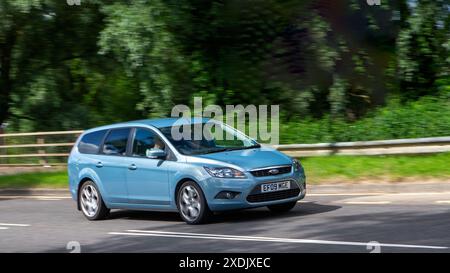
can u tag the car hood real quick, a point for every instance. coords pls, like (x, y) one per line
(248, 159)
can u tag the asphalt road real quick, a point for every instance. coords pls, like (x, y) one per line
(325, 222)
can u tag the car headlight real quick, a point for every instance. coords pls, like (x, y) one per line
(297, 165)
(225, 172)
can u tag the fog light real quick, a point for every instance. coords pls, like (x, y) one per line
(227, 195)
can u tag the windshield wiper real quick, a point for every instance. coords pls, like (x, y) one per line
(231, 149)
(216, 151)
(244, 147)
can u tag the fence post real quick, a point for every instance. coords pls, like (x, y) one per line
(43, 160)
(2, 142)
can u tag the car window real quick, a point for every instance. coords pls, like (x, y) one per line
(116, 142)
(90, 143)
(144, 140)
(220, 138)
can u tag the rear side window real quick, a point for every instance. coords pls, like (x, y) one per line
(116, 142)
(90, 143)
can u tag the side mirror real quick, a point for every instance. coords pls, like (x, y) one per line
(156, 153)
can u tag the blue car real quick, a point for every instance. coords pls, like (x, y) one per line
(146, 165)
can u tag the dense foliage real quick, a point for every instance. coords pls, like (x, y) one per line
(340, 70)
(426, 117)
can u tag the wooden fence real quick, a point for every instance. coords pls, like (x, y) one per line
(53, 148)
(36, 149)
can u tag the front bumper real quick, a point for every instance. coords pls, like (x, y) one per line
(249, 186)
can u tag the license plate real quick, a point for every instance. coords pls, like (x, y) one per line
(277, 186)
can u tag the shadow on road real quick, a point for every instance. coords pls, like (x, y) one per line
(263, 214)
(247, 215)
(145, 215)
(397, 225)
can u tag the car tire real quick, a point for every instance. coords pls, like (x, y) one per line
(282, 207)
(192, 205)
(91, 202)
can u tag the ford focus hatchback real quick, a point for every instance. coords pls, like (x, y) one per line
(193, 166)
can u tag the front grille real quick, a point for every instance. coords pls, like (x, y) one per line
(272, 196)
(271, 171)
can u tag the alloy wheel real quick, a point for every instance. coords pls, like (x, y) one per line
(190, 204)
(89, 200)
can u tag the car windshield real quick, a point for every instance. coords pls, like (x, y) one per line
(205, 138)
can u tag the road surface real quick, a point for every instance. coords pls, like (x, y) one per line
(322, 222)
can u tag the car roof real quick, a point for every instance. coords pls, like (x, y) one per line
(158, 123)
(166, 122)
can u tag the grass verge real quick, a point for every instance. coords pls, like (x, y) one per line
(32, 180)
(393, 168)
(318, 170)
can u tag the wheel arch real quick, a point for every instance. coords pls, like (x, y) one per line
(178, 185)
(80, 184)
(185, 179)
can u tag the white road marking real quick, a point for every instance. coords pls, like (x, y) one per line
(418, 193)
(376, 193)
(4, 228)
(342, 194)
(443, 202)
(14, 225)
(368, 202)
(58, 197)
(48, 199)
(34, 197)
(258, 239)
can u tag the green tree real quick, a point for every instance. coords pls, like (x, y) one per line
(422, 51)
(14, 18)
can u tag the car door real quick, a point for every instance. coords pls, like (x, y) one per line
(111, 165)
(147, 178)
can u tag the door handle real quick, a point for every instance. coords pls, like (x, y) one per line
(99, 164)
(132, 167)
